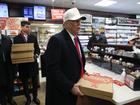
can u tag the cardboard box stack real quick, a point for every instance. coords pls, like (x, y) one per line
(97, 86)
(22, 53)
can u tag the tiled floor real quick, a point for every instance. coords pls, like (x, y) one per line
(41, 92)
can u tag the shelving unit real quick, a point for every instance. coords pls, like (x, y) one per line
(85, 31)
(120, 32)
(116, 57)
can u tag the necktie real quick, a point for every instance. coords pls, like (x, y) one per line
(79, 54)
(26, 38)
(0, 39)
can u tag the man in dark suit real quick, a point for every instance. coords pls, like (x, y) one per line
(64, 64)
(28, 70)
(97, 37)
(6, 71)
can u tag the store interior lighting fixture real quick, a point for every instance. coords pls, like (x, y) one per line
(105, 3)
(138, 2)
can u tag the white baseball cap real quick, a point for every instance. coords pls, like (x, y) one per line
(72, 14)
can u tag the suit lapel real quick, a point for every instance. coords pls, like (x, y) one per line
(22, 38)
(70, 43)
(28, 38)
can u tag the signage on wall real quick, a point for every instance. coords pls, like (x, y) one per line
(11, 25)
(39, 12)
(57, 13)
(111, 21)
(133, 22)
(28, 12)
(4, 10)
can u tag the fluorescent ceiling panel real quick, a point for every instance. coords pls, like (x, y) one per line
(105, 3)
(138, 2)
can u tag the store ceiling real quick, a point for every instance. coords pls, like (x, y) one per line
(122, 6)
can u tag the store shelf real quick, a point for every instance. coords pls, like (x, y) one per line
(116, 55)
(120, 32)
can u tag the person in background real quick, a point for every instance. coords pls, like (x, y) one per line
(64, 64)
(6, 71)
(97, 37)
(29, 70)
(132, 40)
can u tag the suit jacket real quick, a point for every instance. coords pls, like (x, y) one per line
(6, 69)
(63, 69)
(96, 39)
(28, 69)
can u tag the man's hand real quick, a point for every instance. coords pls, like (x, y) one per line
(76, 91)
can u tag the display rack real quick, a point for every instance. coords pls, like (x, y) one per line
(118, 31)
(117, 56)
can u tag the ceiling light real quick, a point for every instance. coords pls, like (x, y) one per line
(105, 3)
(138, 2)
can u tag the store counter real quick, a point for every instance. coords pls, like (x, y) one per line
(122, 94)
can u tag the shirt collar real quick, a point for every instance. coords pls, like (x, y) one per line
(0, 36)
(72, 36)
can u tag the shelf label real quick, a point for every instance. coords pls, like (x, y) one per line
(133, 22)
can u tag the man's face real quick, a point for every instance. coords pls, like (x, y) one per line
(97, 32)
(131, 42)
(25, 29)
(73, 26)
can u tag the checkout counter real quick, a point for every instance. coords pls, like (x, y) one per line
(122, 95)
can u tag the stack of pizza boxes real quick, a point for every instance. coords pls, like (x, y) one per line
(22, 53)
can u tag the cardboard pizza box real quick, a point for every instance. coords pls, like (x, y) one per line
(20, 55)
(97, 86)
(22, 60)
(22, 47)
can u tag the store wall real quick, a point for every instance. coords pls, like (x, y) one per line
(108, 14)
(16, 10)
